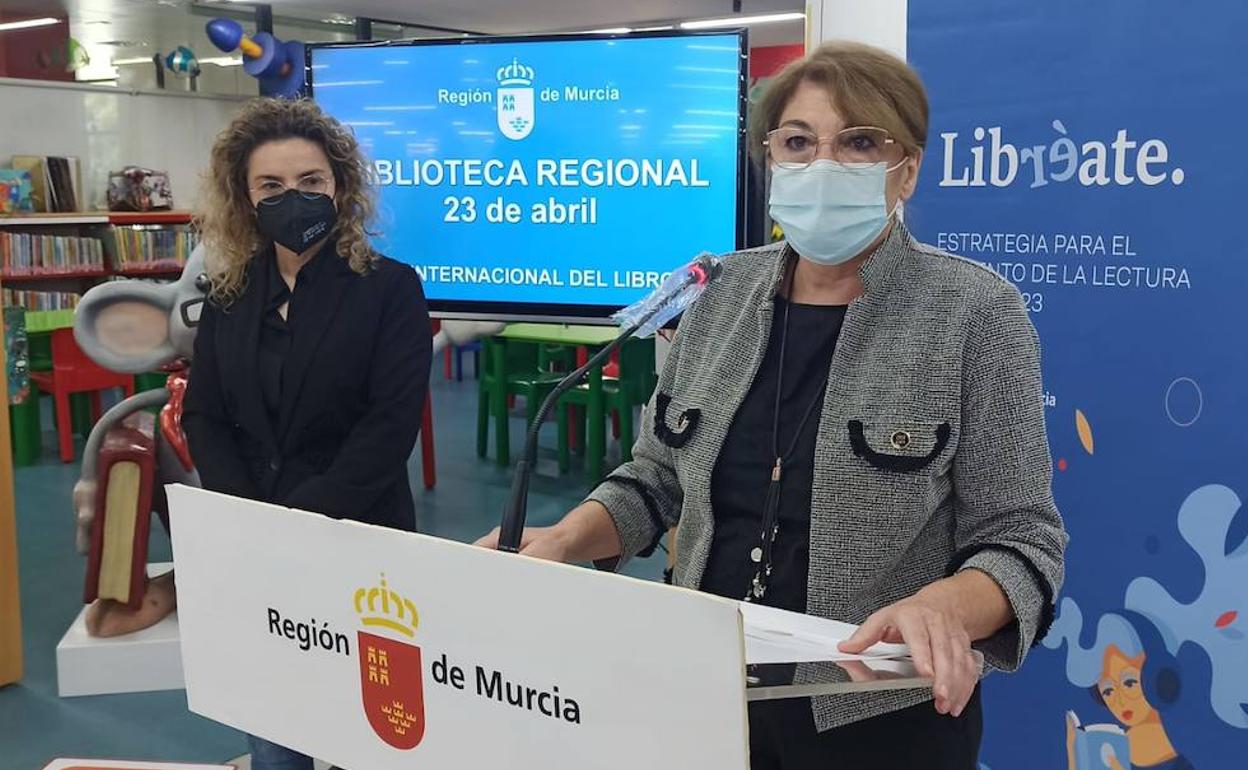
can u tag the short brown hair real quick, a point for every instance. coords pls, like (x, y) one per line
(867, 85)
(226, 215)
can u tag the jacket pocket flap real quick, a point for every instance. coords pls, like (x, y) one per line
(899, 445)
(673, 424)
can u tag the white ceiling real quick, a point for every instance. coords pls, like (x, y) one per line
(520, 16)
(128, 29)
(134, 18)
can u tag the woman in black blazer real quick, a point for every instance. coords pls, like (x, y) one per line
(312, 354)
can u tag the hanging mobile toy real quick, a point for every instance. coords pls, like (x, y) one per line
(182, 61)
(277, 65)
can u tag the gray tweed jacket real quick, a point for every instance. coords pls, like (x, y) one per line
(931, 456)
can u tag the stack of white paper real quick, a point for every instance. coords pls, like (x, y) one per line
(780, 636)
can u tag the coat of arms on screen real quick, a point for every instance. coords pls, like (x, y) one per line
(390, 669)
(515, 100)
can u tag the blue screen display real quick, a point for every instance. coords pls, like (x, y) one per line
(570, 172)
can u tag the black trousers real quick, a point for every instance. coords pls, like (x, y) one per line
(783, 737)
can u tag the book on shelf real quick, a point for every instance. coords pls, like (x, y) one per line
(143, 247)
(33, 254)
(56, 181)
(63, 174)
(40, 301)
(15, 192)
(37, 167)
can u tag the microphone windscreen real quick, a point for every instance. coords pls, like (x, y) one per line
(711, 267)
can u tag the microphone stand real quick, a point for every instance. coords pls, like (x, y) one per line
(516, 510)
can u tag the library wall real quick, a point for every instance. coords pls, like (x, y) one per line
(109, 129)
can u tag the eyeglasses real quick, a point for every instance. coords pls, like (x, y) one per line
(311, 184)
(797, 148)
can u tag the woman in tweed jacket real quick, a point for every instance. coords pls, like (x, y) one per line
(915, 499)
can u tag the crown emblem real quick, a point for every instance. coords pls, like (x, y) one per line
(515, 74)
(384, 607)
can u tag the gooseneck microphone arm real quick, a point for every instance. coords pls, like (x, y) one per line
(511, 529)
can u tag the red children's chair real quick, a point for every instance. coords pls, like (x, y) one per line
(73, 372)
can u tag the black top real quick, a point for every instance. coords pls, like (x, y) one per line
(743, 470)
(350, 377)
(276, 332)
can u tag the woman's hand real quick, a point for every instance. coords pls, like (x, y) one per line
(939, 645)
(539, 542)
(587, 533)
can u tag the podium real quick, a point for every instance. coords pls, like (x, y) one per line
(371, 648)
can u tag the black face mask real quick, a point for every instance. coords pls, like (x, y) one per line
(295, 219)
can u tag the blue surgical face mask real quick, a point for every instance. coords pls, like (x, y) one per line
(830, 212)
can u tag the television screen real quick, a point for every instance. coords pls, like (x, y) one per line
(546, 177)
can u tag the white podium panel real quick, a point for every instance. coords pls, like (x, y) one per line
(372, 648)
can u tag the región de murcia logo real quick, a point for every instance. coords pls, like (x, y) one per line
(391, 685)
(515, 100)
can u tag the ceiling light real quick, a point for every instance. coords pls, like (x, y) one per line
(610, 31)
(220, 61)
(654, 29)
(742, 21)
(28, 23)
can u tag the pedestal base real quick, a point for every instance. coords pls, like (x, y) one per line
(144, 661)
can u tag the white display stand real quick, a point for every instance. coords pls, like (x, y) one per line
(144, 661)
(372, 648)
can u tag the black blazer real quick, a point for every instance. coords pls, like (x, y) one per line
(355, 382)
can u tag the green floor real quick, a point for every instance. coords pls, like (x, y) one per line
(36, 725)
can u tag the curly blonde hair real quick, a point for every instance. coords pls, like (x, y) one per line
(227, 218)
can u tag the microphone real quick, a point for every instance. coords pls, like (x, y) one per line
(675, 294)
(643, 319)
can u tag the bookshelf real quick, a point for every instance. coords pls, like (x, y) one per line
(149, 217)
(101, 218)
(49, 220)
(45, 258)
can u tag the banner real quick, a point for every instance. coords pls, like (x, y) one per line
(1089, 153)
